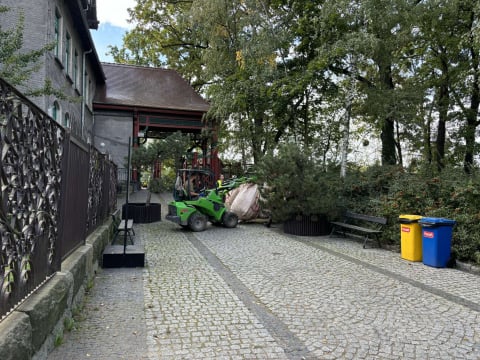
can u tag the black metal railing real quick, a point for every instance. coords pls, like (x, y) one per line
(75, 193)
(54, 191)
(102, 199)
(122, 176)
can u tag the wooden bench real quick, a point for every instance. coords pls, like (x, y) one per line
(355, 224)
(122, 227)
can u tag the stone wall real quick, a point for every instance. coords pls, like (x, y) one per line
(29, 332)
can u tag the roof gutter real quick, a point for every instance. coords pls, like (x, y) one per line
(107, 106)
(80, 20)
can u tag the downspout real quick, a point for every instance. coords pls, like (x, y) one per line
(84, 101)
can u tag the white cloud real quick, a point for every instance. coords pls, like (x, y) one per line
(115, 12)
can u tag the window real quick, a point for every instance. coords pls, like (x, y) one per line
(75, 69)
(86, 89)
(55, 111)
(68, 45)
(66, 120)
(58, 21)
(89, 99)
(87, 94)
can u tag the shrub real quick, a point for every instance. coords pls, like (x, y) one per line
(450, 194)
(296, 185)
(162, 184)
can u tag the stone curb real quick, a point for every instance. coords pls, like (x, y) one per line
(467, 267)
(29, 332)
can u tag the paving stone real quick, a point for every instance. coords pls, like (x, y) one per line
(255, 293)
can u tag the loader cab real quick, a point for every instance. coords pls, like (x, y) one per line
(191, 184)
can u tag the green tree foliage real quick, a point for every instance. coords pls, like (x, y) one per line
(280, 70)
(164, 36)
(402, 73)
(445, 53)
(295, 183)
(16, 65)
(171, 147)
(391, 191)
(240, 53)
(145, 157)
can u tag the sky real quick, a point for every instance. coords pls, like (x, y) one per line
(113, 17)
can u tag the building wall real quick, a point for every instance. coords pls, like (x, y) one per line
(35, 35)
(112, 129)
(39, 30)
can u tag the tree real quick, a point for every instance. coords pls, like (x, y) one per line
(447, 53)
(16, 65)
(239, 53)
(164, 36)
(280, 70)
(470, 58)
(296, 184)
(377, 35)
(146, 157)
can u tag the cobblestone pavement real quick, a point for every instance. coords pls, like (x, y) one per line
(111, 325)
(256, 293)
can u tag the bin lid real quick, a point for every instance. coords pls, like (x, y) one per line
(410, 217)
(437, 221)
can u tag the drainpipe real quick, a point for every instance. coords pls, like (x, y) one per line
(84, 86)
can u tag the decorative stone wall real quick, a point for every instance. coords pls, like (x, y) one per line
(29, 332)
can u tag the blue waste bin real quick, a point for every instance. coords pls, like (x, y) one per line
(436, 240)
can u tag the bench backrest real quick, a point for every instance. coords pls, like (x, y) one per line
(363, 217)
(116, 217)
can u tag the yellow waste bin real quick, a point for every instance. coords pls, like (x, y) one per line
(410, 237)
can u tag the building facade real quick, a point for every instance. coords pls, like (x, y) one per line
(103, 104)
(141, 102)
(72, 67)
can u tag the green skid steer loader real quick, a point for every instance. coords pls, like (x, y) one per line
(193, 207)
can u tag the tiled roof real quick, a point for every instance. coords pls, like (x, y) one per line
(136, 86)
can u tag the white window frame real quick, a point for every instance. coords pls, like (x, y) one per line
(58, 34)
(66, 120)
(86, 90)
(75, 69)
(56, 111)
(68, 52)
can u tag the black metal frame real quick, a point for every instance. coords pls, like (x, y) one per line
(47, 203)
(349, 216)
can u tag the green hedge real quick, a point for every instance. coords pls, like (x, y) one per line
(295, 182)
(392, 191)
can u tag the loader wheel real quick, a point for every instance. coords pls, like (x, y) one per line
(197, 222)
(229, 219)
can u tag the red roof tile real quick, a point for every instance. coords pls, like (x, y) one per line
(137, 86)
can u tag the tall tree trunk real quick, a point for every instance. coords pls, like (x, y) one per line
(388, 142)
(472, 124)
(427, 138)
(345, 137)
(398, 144)
(346, 124)
(443, 106)
(472, 114)
(388, 126)
(256, 136)
(306, 132)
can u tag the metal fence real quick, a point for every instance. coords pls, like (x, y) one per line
(54, 191)
(122, 179)
(122, 175)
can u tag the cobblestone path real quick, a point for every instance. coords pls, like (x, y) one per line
(256, 293)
